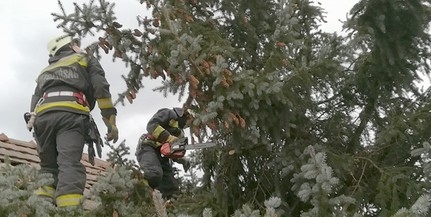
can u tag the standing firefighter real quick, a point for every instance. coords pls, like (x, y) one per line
(154, 149)
(66, 92)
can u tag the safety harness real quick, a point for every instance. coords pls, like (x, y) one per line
(30, 117)
(80, 97)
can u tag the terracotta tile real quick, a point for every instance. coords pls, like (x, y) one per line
(3, 137)
(22, 152)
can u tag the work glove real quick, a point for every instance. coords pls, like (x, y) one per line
(110, 123)
(91, 154)
(171, 139)
(108, 112)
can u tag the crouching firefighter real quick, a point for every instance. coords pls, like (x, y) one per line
(66, 91)
(154, 150)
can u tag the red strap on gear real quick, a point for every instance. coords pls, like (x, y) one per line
(81, 98)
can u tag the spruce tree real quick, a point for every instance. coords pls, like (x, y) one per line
(323, 124)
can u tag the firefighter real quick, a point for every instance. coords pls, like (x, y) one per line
(154, 152)
(66, 91)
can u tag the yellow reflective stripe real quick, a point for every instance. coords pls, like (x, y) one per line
(173, 123)
(68, 104)
(105, 103)
(69, 200)
(159, 130)
(47, 191)
(145, 182)
(67, 61)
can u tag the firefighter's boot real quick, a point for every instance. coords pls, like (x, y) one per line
(46, 193)
(66, 200)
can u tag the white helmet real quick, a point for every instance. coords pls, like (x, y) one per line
(180, 112)
(56, 43)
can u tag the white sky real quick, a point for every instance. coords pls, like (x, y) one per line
(25, 28)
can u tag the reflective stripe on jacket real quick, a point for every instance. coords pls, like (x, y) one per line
(70, 71)
(163, 124)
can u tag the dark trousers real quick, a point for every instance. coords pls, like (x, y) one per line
(158, 170)
(60, 137)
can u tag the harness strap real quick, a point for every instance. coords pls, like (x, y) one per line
(81, 99)
(147, 139)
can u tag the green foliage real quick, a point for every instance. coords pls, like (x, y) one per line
(419, 208)
(16, 188)
(121, 190)
(118, 155)
(18, 182)
(331, 125)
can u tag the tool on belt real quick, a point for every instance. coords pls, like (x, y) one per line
(29, 118)
(93, 138)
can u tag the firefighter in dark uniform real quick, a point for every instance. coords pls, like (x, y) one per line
(66, 92)
(153, 151)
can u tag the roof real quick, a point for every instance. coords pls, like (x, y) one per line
(21, 152)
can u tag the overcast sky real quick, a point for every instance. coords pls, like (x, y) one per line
(25, 28)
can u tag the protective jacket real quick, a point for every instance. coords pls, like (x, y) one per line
(71, 83)
(164, 123)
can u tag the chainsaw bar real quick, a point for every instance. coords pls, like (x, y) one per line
(182, 145)
(199, 145)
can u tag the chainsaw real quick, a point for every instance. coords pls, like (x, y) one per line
(182, 144)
